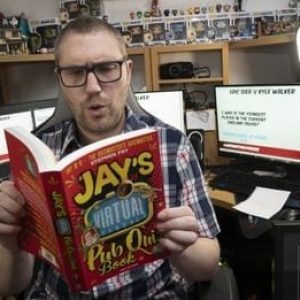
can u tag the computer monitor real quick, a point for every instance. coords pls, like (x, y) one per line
(165, 105)
(26, 114)
(259, 121)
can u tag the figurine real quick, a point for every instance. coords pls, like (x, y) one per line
(155, 10)
(24, 26)
(13, 21)
(63, 16)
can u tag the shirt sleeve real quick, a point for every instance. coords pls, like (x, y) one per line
(193, 189)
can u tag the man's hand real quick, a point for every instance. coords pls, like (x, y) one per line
(195, 257)
(11, 209)
(178, 227)
(16, 266)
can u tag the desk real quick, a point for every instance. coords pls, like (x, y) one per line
(220, 198)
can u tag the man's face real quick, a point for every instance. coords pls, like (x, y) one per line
(98, 108)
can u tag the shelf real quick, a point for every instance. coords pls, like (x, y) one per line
(259, 42)
(264, 41)
(221, 48)
(50, 56)
(26, 58)
(189, 47)
(191, 80)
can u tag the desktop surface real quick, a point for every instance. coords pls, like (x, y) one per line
(242, 179)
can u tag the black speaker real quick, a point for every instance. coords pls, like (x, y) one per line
(182, 69)
(196, 136)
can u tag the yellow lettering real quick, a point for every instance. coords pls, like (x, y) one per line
(58, 204)
(105, 176)
(96, 254)
(146, 165)
(122, 171)
(88, 184)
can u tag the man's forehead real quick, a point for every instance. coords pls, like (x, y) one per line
(97, 46)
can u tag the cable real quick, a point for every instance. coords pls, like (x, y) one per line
(199, 147)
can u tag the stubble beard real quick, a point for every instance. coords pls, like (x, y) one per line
(102, 125)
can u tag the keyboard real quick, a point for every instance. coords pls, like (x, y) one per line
(243, 183)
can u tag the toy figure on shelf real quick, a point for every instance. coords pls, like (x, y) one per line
(63, 16)
(24, 26)
(155, 10)
(13, 21)
(35, 43)
(2, 17)
(13, 35)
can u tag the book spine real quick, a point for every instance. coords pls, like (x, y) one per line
(62, 215)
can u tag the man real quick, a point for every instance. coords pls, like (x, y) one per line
(94, 74)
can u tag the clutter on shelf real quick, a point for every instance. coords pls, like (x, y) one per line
(153, 26)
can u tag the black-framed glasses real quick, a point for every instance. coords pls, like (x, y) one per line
(105, 72)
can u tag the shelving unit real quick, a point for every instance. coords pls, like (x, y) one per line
(264, 41)
(152, 58)
(219, 53)
(221, 49)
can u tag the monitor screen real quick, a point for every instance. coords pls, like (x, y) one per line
(26, 114)
(259, 121)
(23, 119)
(165, 105)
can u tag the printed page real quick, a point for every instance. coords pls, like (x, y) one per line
(263, 202)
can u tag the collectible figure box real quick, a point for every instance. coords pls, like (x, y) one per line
(267, 20)
(154, 32)
(197, 29)
(241, 26)
(133, 33)
(286, 20)
(47, 31)
(176, 30)
(219, 27)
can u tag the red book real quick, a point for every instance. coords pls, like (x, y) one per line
(92, 214)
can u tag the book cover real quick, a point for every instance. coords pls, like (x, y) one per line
(92, 215)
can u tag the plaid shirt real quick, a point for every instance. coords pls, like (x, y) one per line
(184, 185)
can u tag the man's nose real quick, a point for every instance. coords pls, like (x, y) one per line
(92, 83)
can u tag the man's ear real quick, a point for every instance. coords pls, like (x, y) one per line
(129, 67)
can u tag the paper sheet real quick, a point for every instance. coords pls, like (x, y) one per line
(263, 202)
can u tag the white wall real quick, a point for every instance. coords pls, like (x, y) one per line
(119, 9)
(255, 5)
(257, 67)
(34, 9)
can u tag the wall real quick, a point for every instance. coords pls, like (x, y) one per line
(255, 65)
(112, 7)
(34, 9)
(49, 8)
(274, 64)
